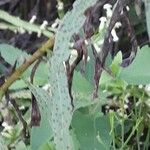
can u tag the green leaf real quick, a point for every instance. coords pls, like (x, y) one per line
(139, 71)
(80, 84)
(115, 66)
(2, 143)
(40, 78)
(92, 133)
(20, 146)
(147, 12)
(43, 132)
(11, 54)
(83, 90)
(47, 146)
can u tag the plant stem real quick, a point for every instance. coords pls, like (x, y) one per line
(19, 23)
(20, 70)
(133, 130)
(123, 119)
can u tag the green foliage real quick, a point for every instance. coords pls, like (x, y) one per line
(2, 143)
(11, 54)
(42, 133)
(138, 72)
(92, 132)
(85, 127)
(19, 56)
(115, 66)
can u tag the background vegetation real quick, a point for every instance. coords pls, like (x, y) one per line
(74, 75)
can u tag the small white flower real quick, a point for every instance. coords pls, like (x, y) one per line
(55, 24)
(111, 111)
(71, 45)
(127, 100)
(46, 87)
(113, 32)
(88, 58)
(140, 86)
(21, 30)
(107, 6)
(126, 106)
(118, 25)
(60, 6)
(39, 34)
(107, 107)
(32, 20)
(102, 23)
(147, 88)
(108, 9)
(74, 52)
(104, 91)
(114, 35)
(6, 126)
(86, 42)
(44, 24)
(22, 107)
(127, 7)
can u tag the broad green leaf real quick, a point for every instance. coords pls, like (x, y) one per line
(62, 108)
(80, 84)
(11, 54)
(40, 78)
(83, 92)
(139, 71)
(105, 78)
(42, 133)
(147, 12)
(92, 133)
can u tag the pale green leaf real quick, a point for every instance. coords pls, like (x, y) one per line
(43, 132)
(11, 54)
(139, 71)
(2, 143)
(115, 66)
(92, 133)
